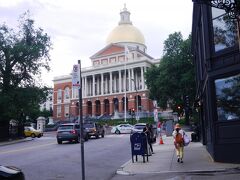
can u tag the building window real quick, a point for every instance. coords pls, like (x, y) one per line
(224, 30)
(66, 110)
(59, 111)
(228, 98)
(67, 94)
(59, 95)
(75, 92)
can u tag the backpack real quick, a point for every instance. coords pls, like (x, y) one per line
(179, 138)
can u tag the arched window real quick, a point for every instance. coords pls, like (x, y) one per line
(66, 94)
(59, 95)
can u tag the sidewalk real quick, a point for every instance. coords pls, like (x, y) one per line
(196, 159)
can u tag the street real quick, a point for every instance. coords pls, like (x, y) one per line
(44, 159)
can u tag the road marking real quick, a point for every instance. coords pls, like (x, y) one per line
(27, 148)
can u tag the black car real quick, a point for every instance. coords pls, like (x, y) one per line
(70, 132)
(94, 129)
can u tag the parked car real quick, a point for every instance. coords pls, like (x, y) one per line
(31, 132)
(122, 128)
(70, 132)
(139, 128)
(94, 129)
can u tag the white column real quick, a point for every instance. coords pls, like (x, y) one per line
(102, 84)
(132, 82)
(142, 78)
(83, 87)
(98, 85)
(114, 83)
(145, 69)
(129, 79)
(120, 81)
(93, 84)
(124, 81)
(110, 82)
(86, 90)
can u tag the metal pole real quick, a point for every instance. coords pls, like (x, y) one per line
(136, 98)
(125, 100)
(81, 122)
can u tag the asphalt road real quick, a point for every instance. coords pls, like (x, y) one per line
(44, 159)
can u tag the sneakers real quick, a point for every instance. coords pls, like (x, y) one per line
(179, 160)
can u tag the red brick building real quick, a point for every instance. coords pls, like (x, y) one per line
(117, 71)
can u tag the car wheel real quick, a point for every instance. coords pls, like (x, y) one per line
(86, 138)
(102, 135)
(97, 136)
(33, 135)
(39, 136)
(59, 141)
(117, 132)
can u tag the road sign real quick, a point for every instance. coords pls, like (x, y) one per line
(76, 76)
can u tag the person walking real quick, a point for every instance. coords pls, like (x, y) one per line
(149, 133)
(178, 134)
(159, 126)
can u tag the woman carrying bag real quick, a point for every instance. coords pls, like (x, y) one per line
(178, 135)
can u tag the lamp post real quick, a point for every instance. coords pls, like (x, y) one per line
(137, 118)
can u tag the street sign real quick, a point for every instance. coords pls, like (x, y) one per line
(76, 76)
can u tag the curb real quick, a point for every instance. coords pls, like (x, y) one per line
(15, 141)
(126, 173)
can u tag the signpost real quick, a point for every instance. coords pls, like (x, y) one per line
(76, 82)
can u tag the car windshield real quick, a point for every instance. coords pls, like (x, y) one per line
(30, 129)
(89, 125)
(65, 127)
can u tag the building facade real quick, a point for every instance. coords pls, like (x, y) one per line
(114, 83)
(215, 45)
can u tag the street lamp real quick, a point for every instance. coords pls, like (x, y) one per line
(137, 118)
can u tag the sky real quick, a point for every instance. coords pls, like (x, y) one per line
(79, 28)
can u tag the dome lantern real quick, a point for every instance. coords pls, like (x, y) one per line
(125, 32)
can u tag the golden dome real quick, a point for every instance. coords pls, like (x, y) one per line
(125, 32)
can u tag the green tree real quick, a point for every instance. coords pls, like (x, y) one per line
(174, 77)
(23, 55)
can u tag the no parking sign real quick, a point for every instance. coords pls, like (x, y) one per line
(76, 76)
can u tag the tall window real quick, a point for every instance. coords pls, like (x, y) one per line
(75, 92)
(228, 98)
(59, 95)
(66, 94)
(224, 30)
(66, 111)
(59, 111)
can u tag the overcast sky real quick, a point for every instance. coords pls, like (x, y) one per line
(79, 28)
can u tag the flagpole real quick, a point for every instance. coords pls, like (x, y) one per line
(125, 99)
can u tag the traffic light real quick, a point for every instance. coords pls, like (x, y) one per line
(129, 111)
(187, 104)
(133, 111)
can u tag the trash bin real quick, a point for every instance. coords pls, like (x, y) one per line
(11, 173)
(139, 145)
(169, 127)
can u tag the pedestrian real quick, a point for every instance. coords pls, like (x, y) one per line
(148, 130)
(178, 134)
(159, 126)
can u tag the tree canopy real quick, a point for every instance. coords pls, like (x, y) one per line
(174, 78)
(24, 53)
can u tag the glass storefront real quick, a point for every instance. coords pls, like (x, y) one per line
(228, 98)
(224, 30)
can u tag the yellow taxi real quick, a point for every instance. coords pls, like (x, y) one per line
(31, 132)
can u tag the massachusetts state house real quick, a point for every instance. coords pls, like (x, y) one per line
(114, 83)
